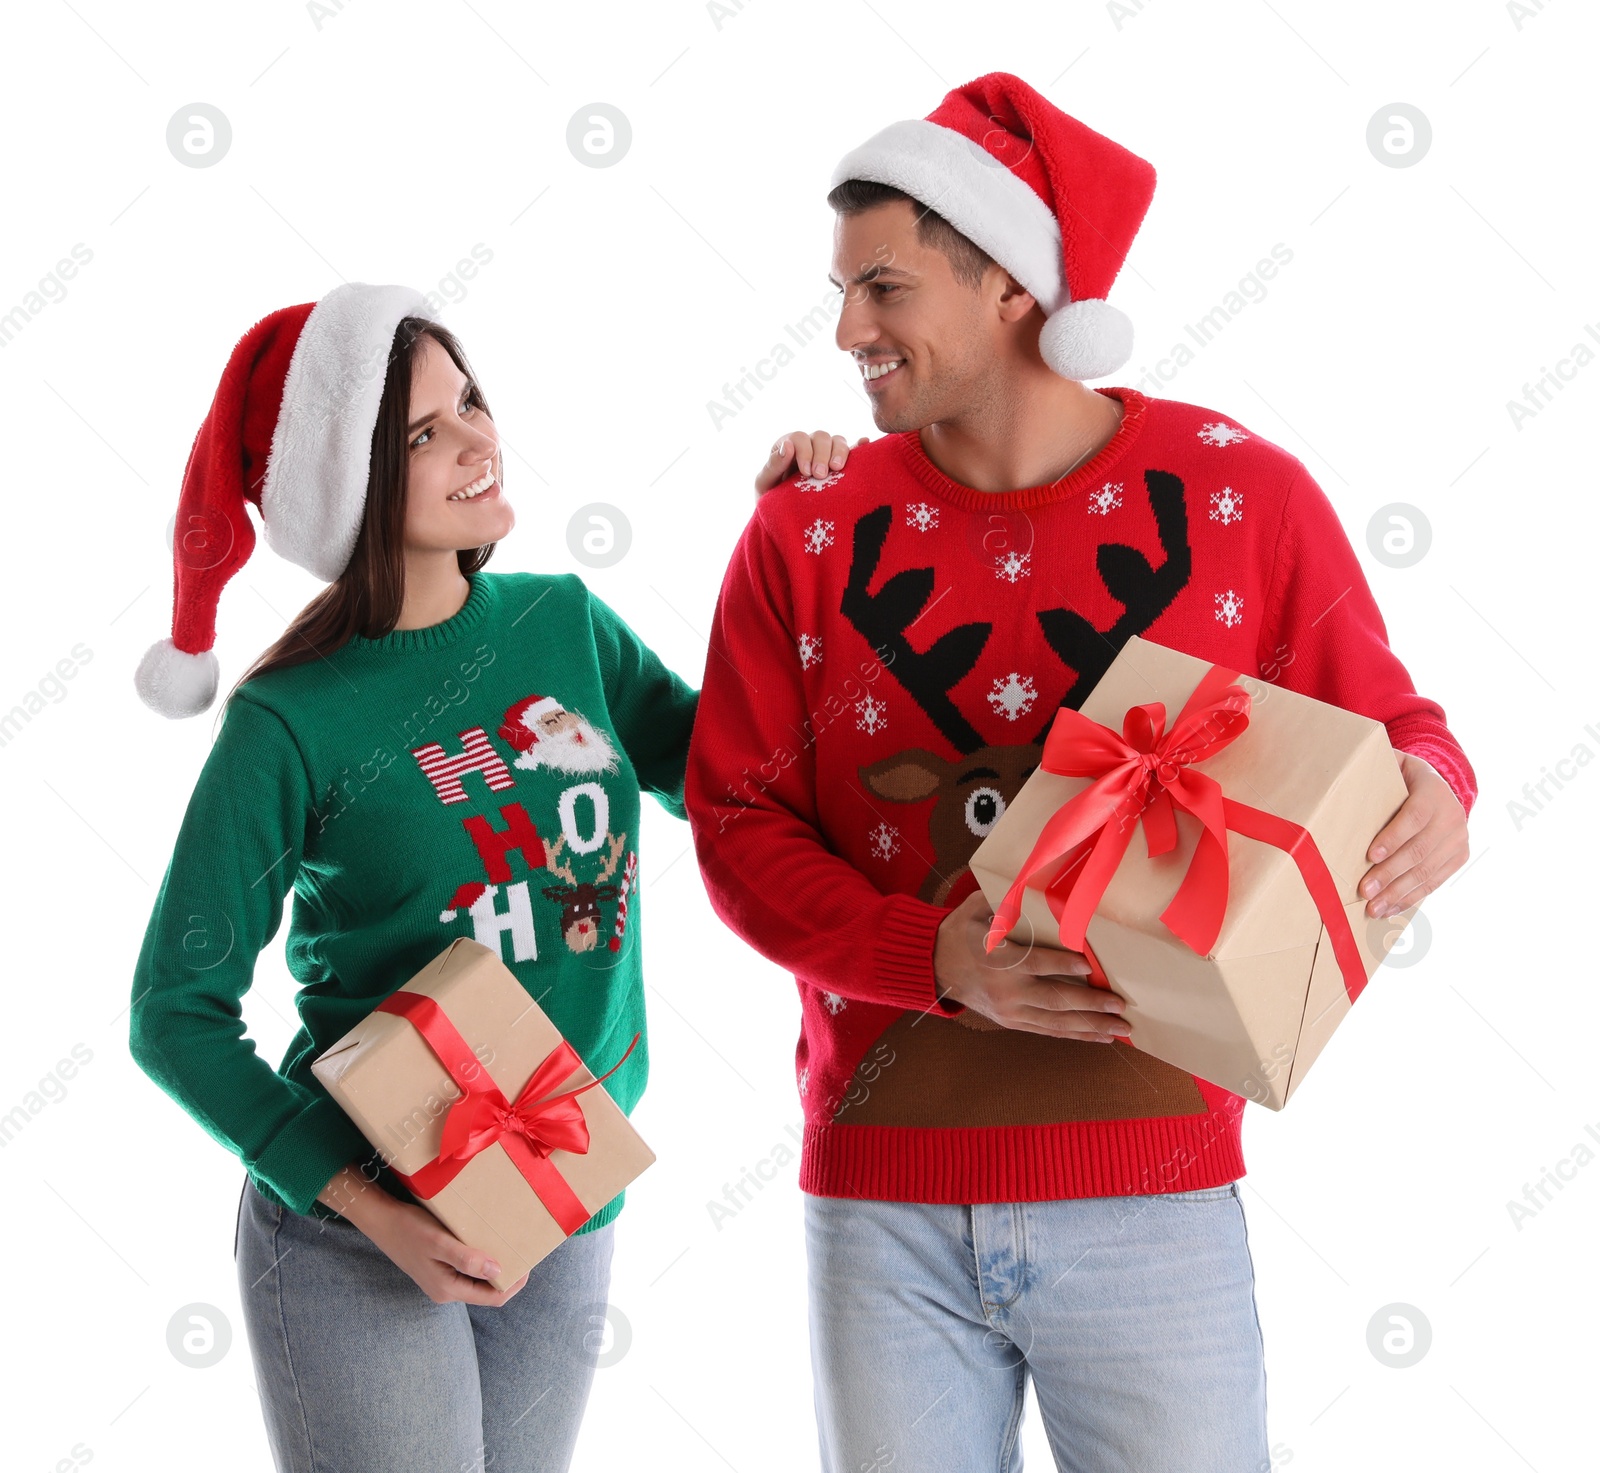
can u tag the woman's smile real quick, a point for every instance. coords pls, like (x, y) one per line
(488, 484)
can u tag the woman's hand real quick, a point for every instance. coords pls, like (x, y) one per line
(816, 454)
(441, 1265)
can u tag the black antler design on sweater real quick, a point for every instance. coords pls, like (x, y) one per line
(1143, 590)
(970, 792)
(882, 618)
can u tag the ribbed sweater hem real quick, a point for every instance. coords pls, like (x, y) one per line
(1020, 1163)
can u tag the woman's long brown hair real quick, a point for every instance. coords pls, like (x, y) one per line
(367, 597)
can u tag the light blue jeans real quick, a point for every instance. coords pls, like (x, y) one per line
(1135, 1317)
(360, 1372)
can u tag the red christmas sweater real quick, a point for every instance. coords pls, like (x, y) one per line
(888, 652)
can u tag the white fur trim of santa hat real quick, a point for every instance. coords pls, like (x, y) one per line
(971, 189)
(315, 488)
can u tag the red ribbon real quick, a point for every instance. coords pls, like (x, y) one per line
(1138, 777)
(528, 1128)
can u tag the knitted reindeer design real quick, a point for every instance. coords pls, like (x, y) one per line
(973, 789)
(580, 902)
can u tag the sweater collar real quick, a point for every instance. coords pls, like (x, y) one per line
(468, 617)
(1134, 409)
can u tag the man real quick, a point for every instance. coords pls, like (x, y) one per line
(991, 1192)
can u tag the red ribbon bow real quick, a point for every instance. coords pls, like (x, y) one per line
(528, 1128)
(1138, 777)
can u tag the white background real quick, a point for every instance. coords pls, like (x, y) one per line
(382, 146)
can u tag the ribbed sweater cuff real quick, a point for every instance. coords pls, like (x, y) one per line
(1443, 759)
(309, 1152)
(905, 956)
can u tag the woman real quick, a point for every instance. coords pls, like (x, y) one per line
(430, 750)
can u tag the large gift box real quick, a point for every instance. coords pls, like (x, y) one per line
(1231, 925)
(470, 1093)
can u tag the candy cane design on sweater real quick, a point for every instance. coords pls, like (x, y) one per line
(630, 883)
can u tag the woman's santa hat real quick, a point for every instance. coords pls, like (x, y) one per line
(1051, 200)
(290, 428)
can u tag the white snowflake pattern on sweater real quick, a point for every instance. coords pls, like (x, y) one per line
(885, 841)
(1221, 433)
(922, 516)
(1013, 566)
(1230, 608)
(1013, 695)
(810, 648)
(1106, 500)
(872, 715)
(818, 536)
(833, 1002)
(1227, 506)
(819, 483)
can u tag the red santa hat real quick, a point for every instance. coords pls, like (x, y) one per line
(1051, 200)
(466, 896)
(290, 429)
(519, 729)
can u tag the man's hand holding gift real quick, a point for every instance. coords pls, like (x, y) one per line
(1034, 988)
(1420, 847)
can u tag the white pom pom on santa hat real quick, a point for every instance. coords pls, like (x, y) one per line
(1051, 200)
(1086, 339)
(175, 683)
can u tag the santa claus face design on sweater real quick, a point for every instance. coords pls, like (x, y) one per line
(548, 735)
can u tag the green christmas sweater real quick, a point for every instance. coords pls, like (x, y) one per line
(478, 777)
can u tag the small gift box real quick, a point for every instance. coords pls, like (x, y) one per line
(471, 1095)
(1233, 931)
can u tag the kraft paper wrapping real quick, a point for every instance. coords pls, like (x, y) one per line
(1253, 1014)
(388, 1080)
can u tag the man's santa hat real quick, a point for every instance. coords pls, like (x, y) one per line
(1051, 200)
(290, 429)
(520, 724)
